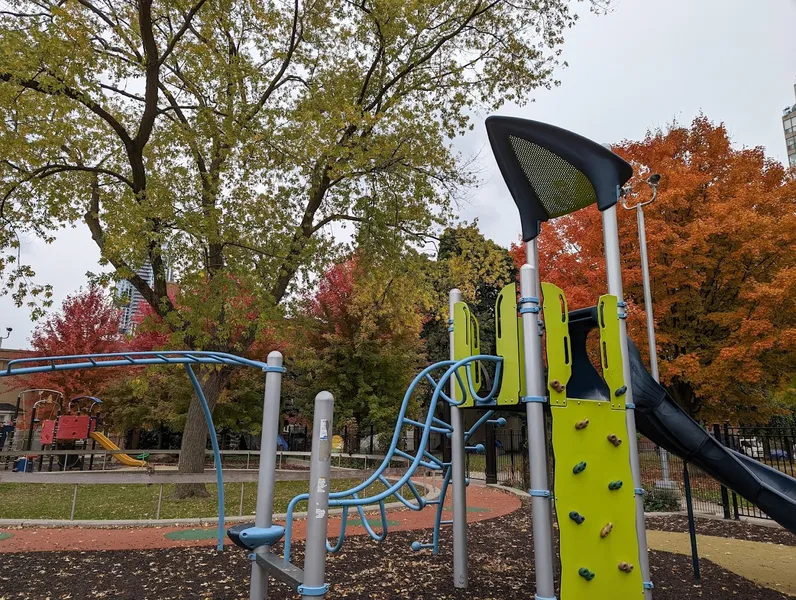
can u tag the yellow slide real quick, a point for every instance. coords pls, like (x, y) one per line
(125, 459)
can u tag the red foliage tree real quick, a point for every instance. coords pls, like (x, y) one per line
(88, 323)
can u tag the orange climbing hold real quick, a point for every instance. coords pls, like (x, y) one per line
(606, 529)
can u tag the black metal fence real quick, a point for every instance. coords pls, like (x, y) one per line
(772, 446)
(663, 473)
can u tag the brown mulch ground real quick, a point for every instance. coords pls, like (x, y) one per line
(501, 567)
(727, 528)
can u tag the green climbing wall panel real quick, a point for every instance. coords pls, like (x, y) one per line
(596, 513)
(559, 353)
(466, 342)
(508, 344)
(611, 350)
(587, 493)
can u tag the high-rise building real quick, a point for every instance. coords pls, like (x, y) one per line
(131, 299)
(789, 124)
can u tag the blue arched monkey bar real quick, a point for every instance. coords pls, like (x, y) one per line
(42, 364)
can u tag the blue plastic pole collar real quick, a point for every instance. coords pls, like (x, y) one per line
(306, 590)
(540, 399)
(648, 585)
(540, 493)
(271, 369)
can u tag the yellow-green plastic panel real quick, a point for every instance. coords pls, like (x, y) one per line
(611, 349)
(475, 350)
(559, 353)
(508, 332)
(587, 493)
(463, 336)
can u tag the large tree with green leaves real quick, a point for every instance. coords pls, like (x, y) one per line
(231, 138)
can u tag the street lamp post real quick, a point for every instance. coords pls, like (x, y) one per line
(6, 336)
(653, 181)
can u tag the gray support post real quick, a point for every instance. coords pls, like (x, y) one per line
(457, 470)
(266, 475)
(645, 277)
(537, 435)
(314, 585)
(491, 453)
(613, 269)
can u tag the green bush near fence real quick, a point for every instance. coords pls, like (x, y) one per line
(661, 500)
(139, 501)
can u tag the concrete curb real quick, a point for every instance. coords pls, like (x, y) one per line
(432, 493)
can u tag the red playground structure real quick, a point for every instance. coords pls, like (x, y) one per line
(59, 429)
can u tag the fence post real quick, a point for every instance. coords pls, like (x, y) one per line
(74, 505)
(725, 498)
(160, 502)
(729, 444)
(491, 454)
(314, 584)
(371, 439)
(691, 525)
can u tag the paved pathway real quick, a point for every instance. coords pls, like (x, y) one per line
(483, 503)
(769, 565)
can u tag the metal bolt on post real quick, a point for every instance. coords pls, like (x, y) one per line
(458, 470)
(267, 468)
(314, 585)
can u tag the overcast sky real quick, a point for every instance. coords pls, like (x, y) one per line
(640, 67)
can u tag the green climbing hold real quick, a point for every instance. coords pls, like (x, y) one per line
(577, 517)
(615, 485)
(579, 468)
(586, 574)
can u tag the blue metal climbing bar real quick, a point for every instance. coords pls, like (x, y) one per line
(420, 458)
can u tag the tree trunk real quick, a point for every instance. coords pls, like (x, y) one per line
(194, 438)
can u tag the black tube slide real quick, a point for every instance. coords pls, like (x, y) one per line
(665, 423)
(660, 419)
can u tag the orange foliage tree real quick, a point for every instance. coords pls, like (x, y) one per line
(722, 250)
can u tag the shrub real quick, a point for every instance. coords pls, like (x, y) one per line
(661, 500)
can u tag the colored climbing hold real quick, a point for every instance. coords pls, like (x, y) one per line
(579, 468)
(625, 567)
(586, 574)
(577, 517)
(556, 385)
(615, 485)
(606, 530)
(620, 391)
(582, 424)
(614, 440)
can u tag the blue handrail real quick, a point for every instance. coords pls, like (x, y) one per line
(351, 497)
(127, 359)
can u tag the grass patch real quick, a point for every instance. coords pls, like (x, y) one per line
(139, 501)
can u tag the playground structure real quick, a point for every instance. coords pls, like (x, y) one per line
(67, 427)
(597, 493)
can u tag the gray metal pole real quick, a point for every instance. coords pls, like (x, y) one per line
(265, 479)
(318, 507)
(458, 472)
(613, 269)
(537, 436)
(645, 279)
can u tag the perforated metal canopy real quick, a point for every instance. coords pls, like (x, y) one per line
(552, 172)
